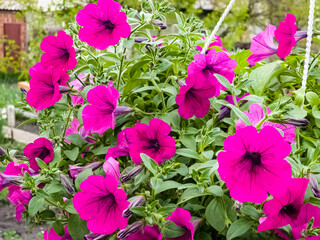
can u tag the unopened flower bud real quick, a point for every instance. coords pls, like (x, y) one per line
(160, 24)
(129, 230)
(196, 222)
(67, 184)
(237, 206)
(300, 35)
(140, 39)
(137, 201)
(181, 83)
(2, 152)
(74, 170)
(120, 110)
(63, 89)
(296, 122)
(24, 91)
(132, 173)
(95, 236)
(224, 113)
(7, 180)
(313, 183)
(77, 50)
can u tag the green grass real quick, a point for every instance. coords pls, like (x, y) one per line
(10, 94)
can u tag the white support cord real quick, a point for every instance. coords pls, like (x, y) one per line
(216, 28)
(308, 45)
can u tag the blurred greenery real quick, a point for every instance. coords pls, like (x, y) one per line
(10, 94)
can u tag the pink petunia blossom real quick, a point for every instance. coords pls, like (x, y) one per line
(19, 198)
(103, 24)
(285, 206)
(75, 128)
(287, 35)
(182, 218)
(193, 97)
(101, 203)
(45, 87)
(111, 167)
(36, 68)
(122, 149)
(76, 84)
(148, 233)
(58, 52)
(74, 170)
(256, 114)
(99, 115)
(41, 148)
(253, 164)
(52, 235)
(262, 45)
(152, 140)
(216, 42)
(205, 66)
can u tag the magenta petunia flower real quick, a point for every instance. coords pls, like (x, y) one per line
(256, 114)
(148, 233)
(193, 97)
(75, 128)
(216, 42)
(285, 206)
(101, 203)
(122, 149)
(52, 235)
(45, 87)
(205, 66)
(182, 218)
(253, 164)
(76, 84)
(19, 198)
(152, 140)
(287, 35)
(58, 52)
(99, 116)
(111, 167)
(41, 148)
(262, 45)
(36, 68)
(103, 24)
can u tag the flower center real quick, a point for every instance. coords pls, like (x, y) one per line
(208, 68)
(44, 153)
(254, 157)
(289, 210)
(108, 25)
(65, 54)
(154, 144)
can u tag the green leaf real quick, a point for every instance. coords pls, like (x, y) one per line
(27, 121)
(137, 66)
(56, 157)
(188, 153)
(58, 228)
(250, 211)
(77, 227)
(172, 230)
(316, 112)
(72, 154)
(224, 81)
(216, 214)
(215, 190)
(190, 193)
(313, 98)
(238, 228)
(35, 204)
(101, 150)
(69, 207)
(261, 77)
(41, 163)
(240, 114)
(166, 186)
(149, 163)
(140, 211)
(82, 176)
(76, 139)
(189, 141)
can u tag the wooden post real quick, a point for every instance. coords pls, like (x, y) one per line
(11, 119)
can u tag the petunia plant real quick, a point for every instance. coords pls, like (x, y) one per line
(148, 131)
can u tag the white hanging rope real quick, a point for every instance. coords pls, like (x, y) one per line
(216, 28)
(308, 45)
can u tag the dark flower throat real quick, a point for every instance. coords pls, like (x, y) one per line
(154, 144)
(108, 25)
(254, 157)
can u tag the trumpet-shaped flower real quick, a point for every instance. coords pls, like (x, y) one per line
(262, 45)
(182, 218)
(256, 114)
(148, 233)
(152, 140)
(76, 84)
(19, 198)
(111, 167)
(101, 203)
(252, 164)
(285, 206)
(205, 66)
(122, 149)
(75, 128)
(193, 97)
(41, 148)
(52, 235)
(58, 52)
(103, 24)
(44, 87)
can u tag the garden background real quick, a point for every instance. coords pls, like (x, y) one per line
(39, 18)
